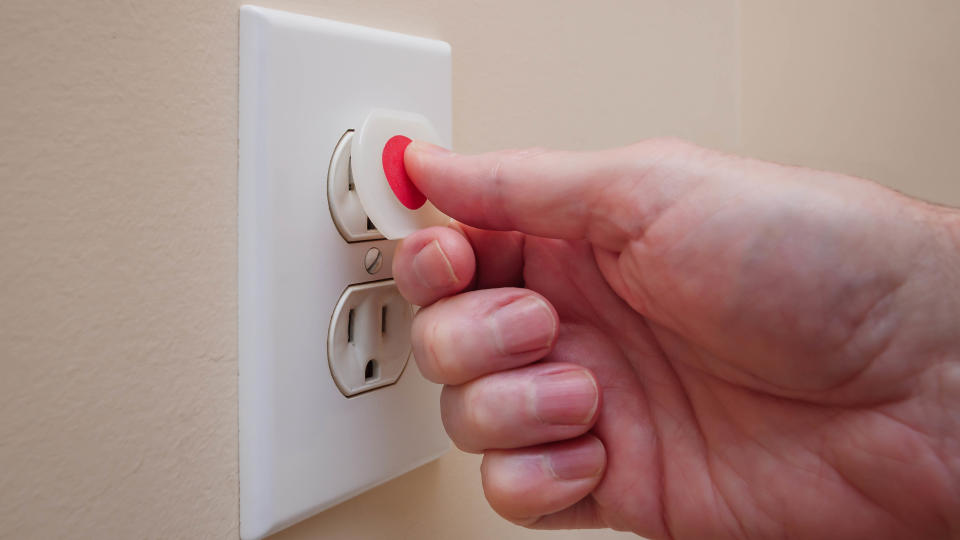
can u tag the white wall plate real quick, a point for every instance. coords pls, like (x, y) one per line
(304, 446)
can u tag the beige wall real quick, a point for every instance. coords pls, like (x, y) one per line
(118, 230)
(867, 87)
(118, 209)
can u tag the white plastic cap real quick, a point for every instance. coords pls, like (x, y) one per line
(385, 210)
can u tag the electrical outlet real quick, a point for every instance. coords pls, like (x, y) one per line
(327, 408)
(345, 207)
(368, 343)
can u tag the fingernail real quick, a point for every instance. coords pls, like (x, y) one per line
(576, 461)
(523, 325)
(426, 148)
(433, 268)
(568, 397)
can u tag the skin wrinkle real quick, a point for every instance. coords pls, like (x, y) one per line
(640, 243)
(477, 415)
(473, 247)
(711, 456)
(595, 310)
(857, 326)
(532, 250)
(586, 511)
(698, 351)
(605, 216)
(584, 506)
(819, 473)
(523, 262)
(473, 416)
(658, 443)
(654, 215)
(861, 372)
(952, 436)
(861, 493)
(499, 202)
(929, 439)
(720, 405)
(783, 391)
(900, 461)
(631, 273)
(612, 386)
(432, 350)
(499, 195)
(600, 320)
(619, 503)
(910, 375)
(674, 242)
(788, 392)
(719, 494)
(702, 443)
(772, 521)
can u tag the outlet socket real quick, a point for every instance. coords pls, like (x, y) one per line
(368, 343)
(344, 203)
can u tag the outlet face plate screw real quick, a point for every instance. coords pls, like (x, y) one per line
(372, 260)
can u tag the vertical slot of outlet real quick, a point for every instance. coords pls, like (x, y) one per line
(345, 207)
(350, 175)
(350, 317)
(372, 371)
(383, 320)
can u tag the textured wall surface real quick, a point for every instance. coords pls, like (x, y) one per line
(117, 286)
(118, 234)
(866, 87)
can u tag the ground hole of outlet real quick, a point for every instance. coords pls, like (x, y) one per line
(372, 371)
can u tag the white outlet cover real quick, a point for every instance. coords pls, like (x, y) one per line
(391, 217)
(304, 447)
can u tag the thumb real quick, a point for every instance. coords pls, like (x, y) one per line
(605, 197)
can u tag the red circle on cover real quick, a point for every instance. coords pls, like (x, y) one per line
(396, 173)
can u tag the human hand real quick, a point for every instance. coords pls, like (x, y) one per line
(686, 344)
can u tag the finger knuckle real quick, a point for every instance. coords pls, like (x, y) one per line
(496, 489)
(478, 415)
(503, 495)
(451, 414)
(424, 340)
